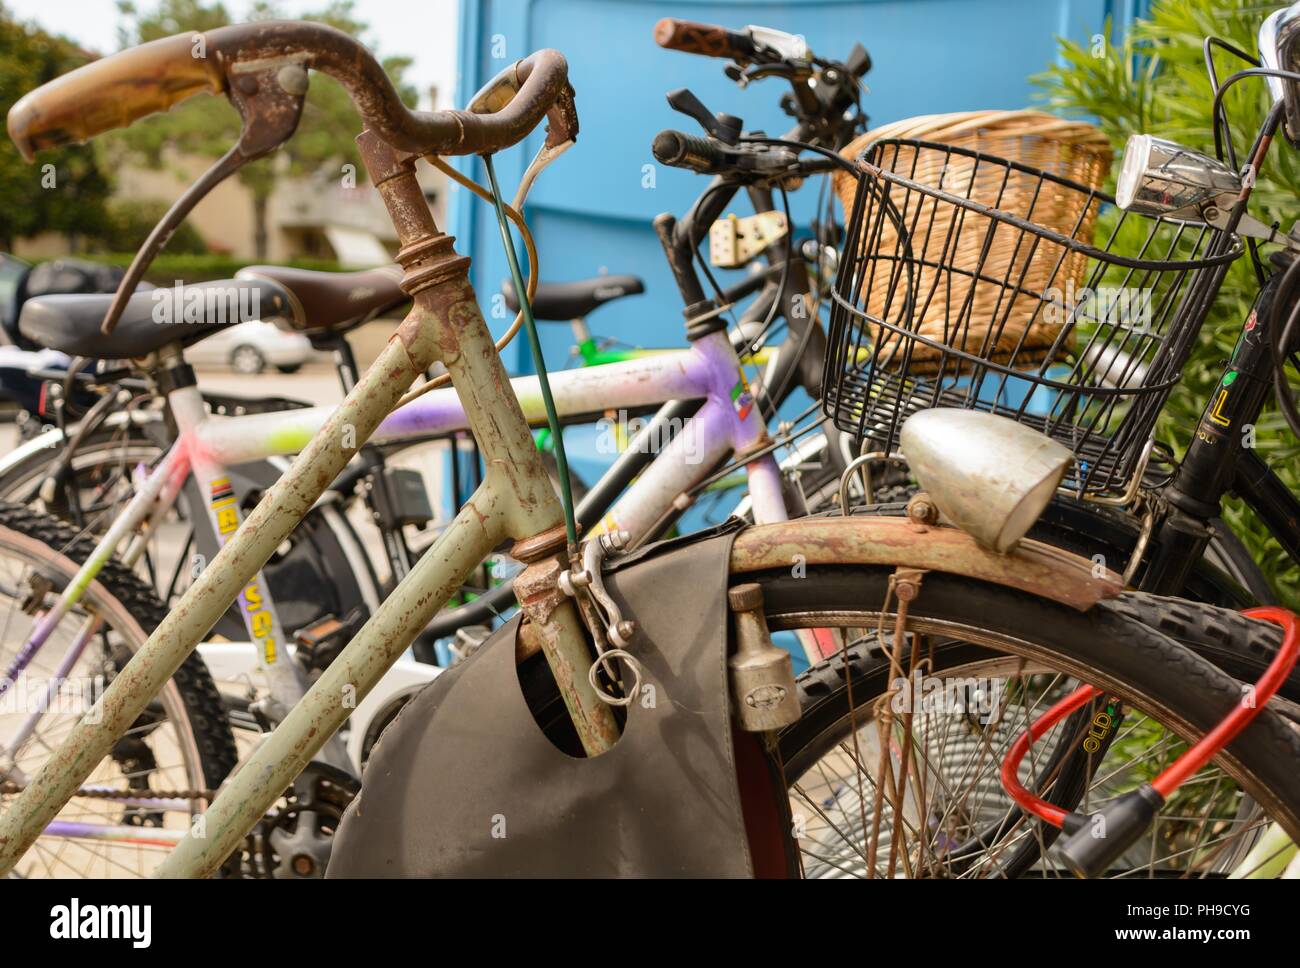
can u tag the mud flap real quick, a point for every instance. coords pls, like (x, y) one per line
(464, 783)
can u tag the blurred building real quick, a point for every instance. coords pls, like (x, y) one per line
(330, 216)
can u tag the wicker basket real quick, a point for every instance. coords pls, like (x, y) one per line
(1069, 149)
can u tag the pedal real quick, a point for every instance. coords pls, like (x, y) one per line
(320, 642)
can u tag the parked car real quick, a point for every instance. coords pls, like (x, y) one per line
(22, 362)
(251, 347)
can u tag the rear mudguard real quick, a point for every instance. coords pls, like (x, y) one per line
(861, 539)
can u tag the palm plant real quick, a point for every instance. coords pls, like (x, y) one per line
(1154, 80)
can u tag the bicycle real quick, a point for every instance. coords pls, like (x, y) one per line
(829, 114)
(105, 465)
(897, 350)
(976, 630)
(693, 373)
(444, 302)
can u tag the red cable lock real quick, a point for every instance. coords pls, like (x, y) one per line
(1089, 849)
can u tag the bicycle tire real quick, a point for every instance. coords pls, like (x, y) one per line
(136, 611)
(1110, 645)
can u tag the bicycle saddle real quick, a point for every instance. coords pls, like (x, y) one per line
(153, 318)
(331, 301)
(562, 301)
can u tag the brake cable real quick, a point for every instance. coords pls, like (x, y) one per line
(1096, 841)
(543, 158)
(539, 361)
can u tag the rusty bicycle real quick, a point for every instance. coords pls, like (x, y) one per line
(649, 678)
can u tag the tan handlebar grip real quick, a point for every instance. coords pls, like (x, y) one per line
(112, 93)
(708, 40)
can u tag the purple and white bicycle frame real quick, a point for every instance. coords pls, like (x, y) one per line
(727, 422)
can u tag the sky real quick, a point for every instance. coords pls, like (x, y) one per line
(424, 31)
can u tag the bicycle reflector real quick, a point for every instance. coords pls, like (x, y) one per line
(1095, 842)
(987, 474)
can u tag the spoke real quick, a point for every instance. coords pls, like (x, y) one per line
(830, 823)
(941, 775)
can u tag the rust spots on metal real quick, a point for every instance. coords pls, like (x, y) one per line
(907, 583)
(537, 588)
(484, 520)
(546, 542)
(1032, 566)
(922, 511)
(527, 642)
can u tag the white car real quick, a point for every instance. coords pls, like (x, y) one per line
(251, 347)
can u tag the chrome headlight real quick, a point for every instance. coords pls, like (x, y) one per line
(990, 476)
(1160, 177)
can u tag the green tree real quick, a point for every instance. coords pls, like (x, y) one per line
(129, 220)
(68, 198)
(207, 127)
(1154, 81)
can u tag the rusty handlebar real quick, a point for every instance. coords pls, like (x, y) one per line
(117, 90)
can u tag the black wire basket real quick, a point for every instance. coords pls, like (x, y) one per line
(972, 281)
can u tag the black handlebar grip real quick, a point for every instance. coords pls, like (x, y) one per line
(680, 150)
(708, 40)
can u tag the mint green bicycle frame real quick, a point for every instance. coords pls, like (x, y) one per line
(515, 500)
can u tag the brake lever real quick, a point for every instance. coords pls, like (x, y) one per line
(787, 71)
(269, 101)
(858, 62)
(725, 127)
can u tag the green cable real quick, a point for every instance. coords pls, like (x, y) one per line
(535, 344)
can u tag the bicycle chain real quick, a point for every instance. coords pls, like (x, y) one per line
(10, 787)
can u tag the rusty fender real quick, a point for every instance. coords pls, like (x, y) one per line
(1032, 566)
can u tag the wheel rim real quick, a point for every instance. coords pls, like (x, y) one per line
(95, 837)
